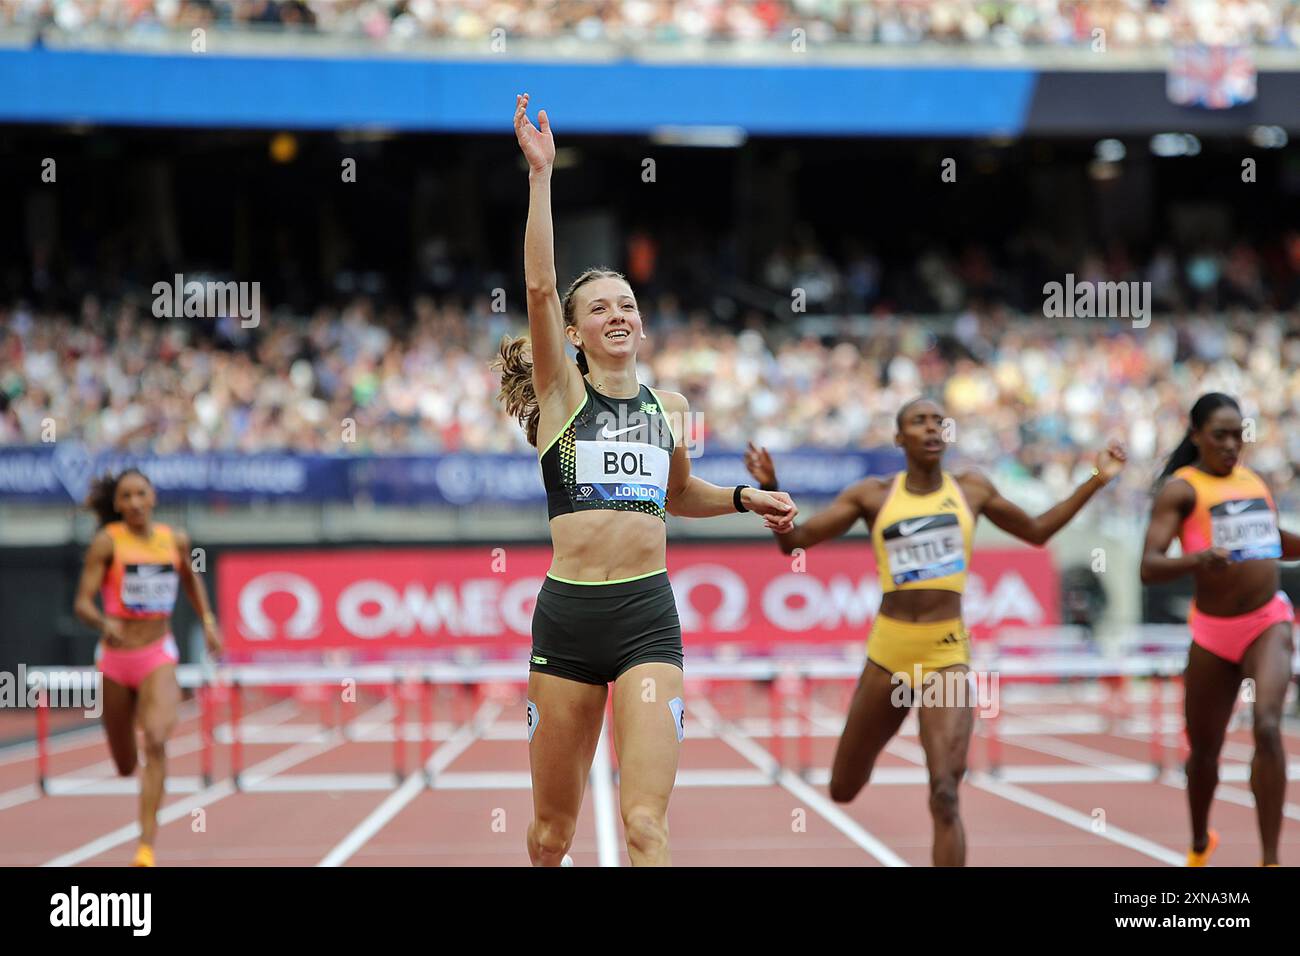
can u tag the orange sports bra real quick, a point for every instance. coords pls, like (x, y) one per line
(144, 577)
(1235, 512)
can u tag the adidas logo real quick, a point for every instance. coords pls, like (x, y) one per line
(949, 503)
(951, 639)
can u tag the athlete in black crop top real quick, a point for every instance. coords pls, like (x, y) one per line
(614, 463)
(614, 453)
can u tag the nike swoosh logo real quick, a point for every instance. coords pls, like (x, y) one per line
(1236, 507)
(149, 570)
(606, 433)
(906, 528)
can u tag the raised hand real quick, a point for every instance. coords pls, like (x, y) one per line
(777, 509)
(536, 142)
(1110, 461)
(759, 464)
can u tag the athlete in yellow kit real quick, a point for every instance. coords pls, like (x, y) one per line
(922, 523)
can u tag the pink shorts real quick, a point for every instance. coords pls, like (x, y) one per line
(130, 666)
(1228, 637)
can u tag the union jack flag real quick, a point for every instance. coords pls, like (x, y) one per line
(1211, 77)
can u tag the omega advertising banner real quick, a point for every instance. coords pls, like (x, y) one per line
(415, 600)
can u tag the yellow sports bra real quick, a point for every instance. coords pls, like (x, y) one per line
(923, 542)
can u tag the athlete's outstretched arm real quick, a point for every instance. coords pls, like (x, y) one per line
(198, 595)
(1174, 502)
(1290, 542)
(692, 497)
(98, 556)
(1014, 520)
(830, 522)
(545, 319)
(1290, 545)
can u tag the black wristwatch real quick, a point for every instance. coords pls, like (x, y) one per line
(735, 497)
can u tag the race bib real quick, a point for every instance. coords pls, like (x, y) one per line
(1246, 529)
(920, 549)
(150, 588)
(621, 471)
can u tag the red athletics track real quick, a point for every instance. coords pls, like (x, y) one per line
(1074, 789)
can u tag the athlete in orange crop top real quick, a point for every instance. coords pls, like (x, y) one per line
(1241, 622)
(138, 566)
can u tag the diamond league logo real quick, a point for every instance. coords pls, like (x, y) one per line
(73, 466)
(457, 479)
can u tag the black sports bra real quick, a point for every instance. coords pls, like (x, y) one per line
(612, 453)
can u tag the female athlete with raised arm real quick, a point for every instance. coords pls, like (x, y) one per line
(613, 464)
(922, 523)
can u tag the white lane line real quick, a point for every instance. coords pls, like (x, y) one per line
(1228, 773)
(1048, 807)
(255, 774)
(62, 741)
(58, 742)
(602, 801)
(117, 786)
(1242, 798)
(1076, 819)
(322, 783)
(485, 780)
(764, 761)
(522, 780)
(442, 758)
(170, 813)
(106, 777)
(188, 744)
(19, 795)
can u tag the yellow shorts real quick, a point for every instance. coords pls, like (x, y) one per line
(900, 647)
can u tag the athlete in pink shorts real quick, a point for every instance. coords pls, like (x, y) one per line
(1241, 623)
(138, 566)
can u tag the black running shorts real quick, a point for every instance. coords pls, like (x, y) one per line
(594, 632)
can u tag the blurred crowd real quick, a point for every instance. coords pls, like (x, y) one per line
(1196, 276)
(1032, 398)
(1003, 23)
